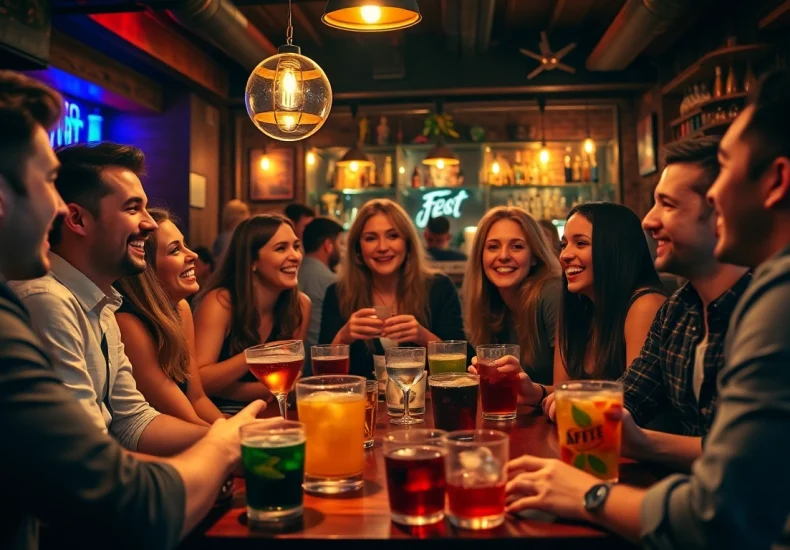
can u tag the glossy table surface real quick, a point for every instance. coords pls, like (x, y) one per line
(364, 516)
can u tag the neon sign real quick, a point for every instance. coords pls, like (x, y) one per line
(76, 128)
(440, 203)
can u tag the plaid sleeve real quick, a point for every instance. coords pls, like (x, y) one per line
(643, 381)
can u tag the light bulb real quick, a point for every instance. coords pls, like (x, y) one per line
(440, 164)
(288, 89)
(589, 146)
(495, 167)
(354, 166)
(310, 158)
(371, 14)
(265, 162)
(401, 170)
(287, 122)
(544, 156)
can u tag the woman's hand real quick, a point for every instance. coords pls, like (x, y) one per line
(529, 393)
(363, 325)
(403, 328)
(549, 408)
(548, 485)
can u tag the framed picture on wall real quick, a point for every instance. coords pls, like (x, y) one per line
(646, 145)
(272, 174)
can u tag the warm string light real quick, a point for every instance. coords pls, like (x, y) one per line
(310, 158)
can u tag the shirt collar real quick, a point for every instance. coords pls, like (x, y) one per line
(87, 293)
(722, 306)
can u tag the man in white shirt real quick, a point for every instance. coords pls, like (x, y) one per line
(72, 307)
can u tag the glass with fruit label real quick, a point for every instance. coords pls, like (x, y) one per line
(589, 421)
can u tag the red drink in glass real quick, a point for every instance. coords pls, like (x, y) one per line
(416, 484)
(330, 365)
(472, 502)
(498, 392)
(278, 373)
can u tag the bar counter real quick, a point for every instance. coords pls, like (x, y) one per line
(363, 517)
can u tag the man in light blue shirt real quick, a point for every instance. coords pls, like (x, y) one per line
(72, 307)
(321, 242)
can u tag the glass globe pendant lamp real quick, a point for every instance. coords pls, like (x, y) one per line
(288, 96)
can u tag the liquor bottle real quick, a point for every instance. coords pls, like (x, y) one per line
(718, 85)
(731, 87)
(593, 169)
(577, 168)
(518, 170)
(373, 175)
(586, 177)
(749, 80)
(568, 171)
(415, 178)
(387, 176)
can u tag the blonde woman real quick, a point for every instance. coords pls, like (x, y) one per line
(385, 266)
(512, 293)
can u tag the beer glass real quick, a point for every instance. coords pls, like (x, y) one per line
(498, 391)
(454, 399)
(329, 359)
(447, 356)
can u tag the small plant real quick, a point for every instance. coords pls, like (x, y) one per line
(439, 125)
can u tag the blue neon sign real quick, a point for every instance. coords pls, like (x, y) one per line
(76, 127)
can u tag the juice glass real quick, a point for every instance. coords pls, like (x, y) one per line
(329, 359)
(498, 391)
(277, 366)
(414, 461)
(589, 422)
(332, 408)
(476, 470)
(454, 399)
(447, 356)
(272, 453)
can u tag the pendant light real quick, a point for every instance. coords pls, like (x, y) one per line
(544, 155)
(440, 155)
(355, 158)
(589, 145)
(371, 15)
(288, 96)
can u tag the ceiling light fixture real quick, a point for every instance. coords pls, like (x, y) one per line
(371, 15)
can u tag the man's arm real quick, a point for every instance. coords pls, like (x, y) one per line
(643, 382)
(675, 451)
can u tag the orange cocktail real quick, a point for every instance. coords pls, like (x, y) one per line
(589, 421)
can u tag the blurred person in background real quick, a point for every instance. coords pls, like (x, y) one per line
(437, 240)
(300, 215)
(233, 213)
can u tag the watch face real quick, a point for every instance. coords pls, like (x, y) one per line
(596, 496)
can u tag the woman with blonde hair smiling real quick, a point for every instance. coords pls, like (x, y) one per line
(512, 292)
(385, 266)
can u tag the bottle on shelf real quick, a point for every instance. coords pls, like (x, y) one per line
(568, 171)
(749, 80)
(586, 177)
(518, 170)
(577, 169)
(731, 87)
(593, 169)
(415, 178)
(387, 175)
(718, 84)
(373, 176)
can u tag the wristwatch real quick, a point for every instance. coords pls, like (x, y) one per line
(595, 498)
(543, 394)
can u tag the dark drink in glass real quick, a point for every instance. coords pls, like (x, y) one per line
(470, 502)
(273, 458)
(330, 365)
(414, 461)
(498, 390)
(454, 399)
(277, 372)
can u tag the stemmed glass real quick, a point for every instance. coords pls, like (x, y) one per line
(277, 365)
(405, 367)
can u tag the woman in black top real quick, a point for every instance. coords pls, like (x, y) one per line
(385, 267)
(157, 328)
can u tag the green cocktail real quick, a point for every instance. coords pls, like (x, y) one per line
(273, 458)
(447, 362)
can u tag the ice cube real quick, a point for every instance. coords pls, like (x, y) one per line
(480, 467)
(474, 458)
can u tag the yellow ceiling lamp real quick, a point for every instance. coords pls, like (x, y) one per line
(371, 15)
(355, 158)
(440, 125)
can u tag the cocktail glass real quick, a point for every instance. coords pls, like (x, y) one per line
(277, 365)
(406, 368)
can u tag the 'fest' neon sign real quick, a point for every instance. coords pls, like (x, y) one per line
(74, 127)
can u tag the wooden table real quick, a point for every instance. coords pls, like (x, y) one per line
(364, 517)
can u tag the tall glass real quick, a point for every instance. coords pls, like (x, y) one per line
(371, 410)
(454, 399)
(405, 367)
(277, 365)
(329, 359)
(414, 460)
(447, 356)
(272, 453)
(476, 470)
(332, 408)
(498, 391)
(589, 421)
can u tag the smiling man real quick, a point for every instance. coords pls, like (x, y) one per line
(98, 241)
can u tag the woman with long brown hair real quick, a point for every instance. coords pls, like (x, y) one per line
(157, 328)
(251, 299)
(512, 292)
(385, 266)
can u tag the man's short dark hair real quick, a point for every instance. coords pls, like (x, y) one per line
(439, 225)
(767, 130)
(318, 231)
(296, 211)
(80, 180)
(701, 151)
(24, 104)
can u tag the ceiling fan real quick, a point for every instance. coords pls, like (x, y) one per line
(549, 60)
